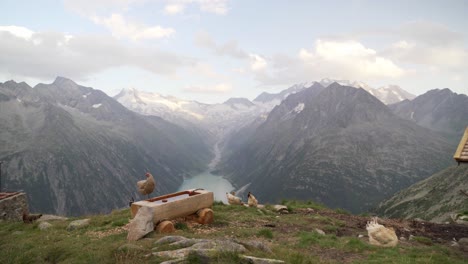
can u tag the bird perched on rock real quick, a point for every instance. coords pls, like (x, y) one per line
(251, 200)
(233, 199)
(379, 235)
(146, 186)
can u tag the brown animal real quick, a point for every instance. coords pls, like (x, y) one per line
(251, 200)
(379, 235)
(29, 218)
(146, 187)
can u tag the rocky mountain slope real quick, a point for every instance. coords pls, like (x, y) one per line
(337, 145)
(75, 150)
(389, 94)
(433, 199)
(440, 110)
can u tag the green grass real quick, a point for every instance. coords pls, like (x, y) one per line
(291, 238)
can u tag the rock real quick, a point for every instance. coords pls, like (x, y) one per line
(261, 206)
(77, 224)
(44, 225)
(281, 209)
(14, 207)
(418, 220)
(175, 261)
(411, 237)
(257, 245)
(463, 242)
(360, 236)
(255, 260)
(461, 222)
(402, 238)
(320, 231)
(52, 217)
(310, 210)
(185, 243)
(131, 247)
(169, 239)
(141, 225)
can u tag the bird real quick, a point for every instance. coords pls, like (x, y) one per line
(380, 235)
(233, 199)
(145, 187)
(251, 200)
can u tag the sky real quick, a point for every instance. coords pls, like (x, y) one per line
(212, 50)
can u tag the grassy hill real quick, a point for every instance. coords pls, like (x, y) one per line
(291, 237)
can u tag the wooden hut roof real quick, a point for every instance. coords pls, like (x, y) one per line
(461, 155)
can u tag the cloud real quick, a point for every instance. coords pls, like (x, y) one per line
(230, 48)
(337, 59)
(120, 28)
(429, 44)
(216, 89)
(257, 63)
(219, 7)
(20, 32)
(173, 9)
(45, 55)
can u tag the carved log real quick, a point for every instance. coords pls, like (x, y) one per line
(205, 216)
(165, 227)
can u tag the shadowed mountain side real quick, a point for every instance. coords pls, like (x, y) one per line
(338, 145)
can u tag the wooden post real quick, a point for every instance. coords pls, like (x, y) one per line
(165, 227)
(205, 216)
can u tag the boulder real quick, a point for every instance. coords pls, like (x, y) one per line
(320, 231)
(463, 243)
(281, 209)
(78, 224)
(169, 239)
(141, 225)
(47, 217)
(44, 225)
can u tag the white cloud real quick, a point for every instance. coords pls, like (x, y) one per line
(349, 58)
(121, 28)
(217, 89)
(173, 9)
(20, 32)
(47, 55)
(257, 63)
(230, 48)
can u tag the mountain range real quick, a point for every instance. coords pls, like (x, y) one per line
(338, 145)
(75, 150)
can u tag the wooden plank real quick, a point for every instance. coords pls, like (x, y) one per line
(176, 208)
(461, 145)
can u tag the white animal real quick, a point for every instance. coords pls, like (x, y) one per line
(379, 235)
(233, 199)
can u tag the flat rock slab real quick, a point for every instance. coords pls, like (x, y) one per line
(51, 218)
(77, 224)
(141, 225)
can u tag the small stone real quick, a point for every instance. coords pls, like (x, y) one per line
(255, 260)
(360, 236)
(411, 237)
(77, 224)
(402, 238)
(261, 206)
(44, 225)
(257, 245)
(169, 239)
(320, 231)
(463, 242)
(418, 220)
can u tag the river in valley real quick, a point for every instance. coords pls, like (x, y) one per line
(217, 184)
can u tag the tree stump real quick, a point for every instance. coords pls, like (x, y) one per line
(165, 227)
(205, 216)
